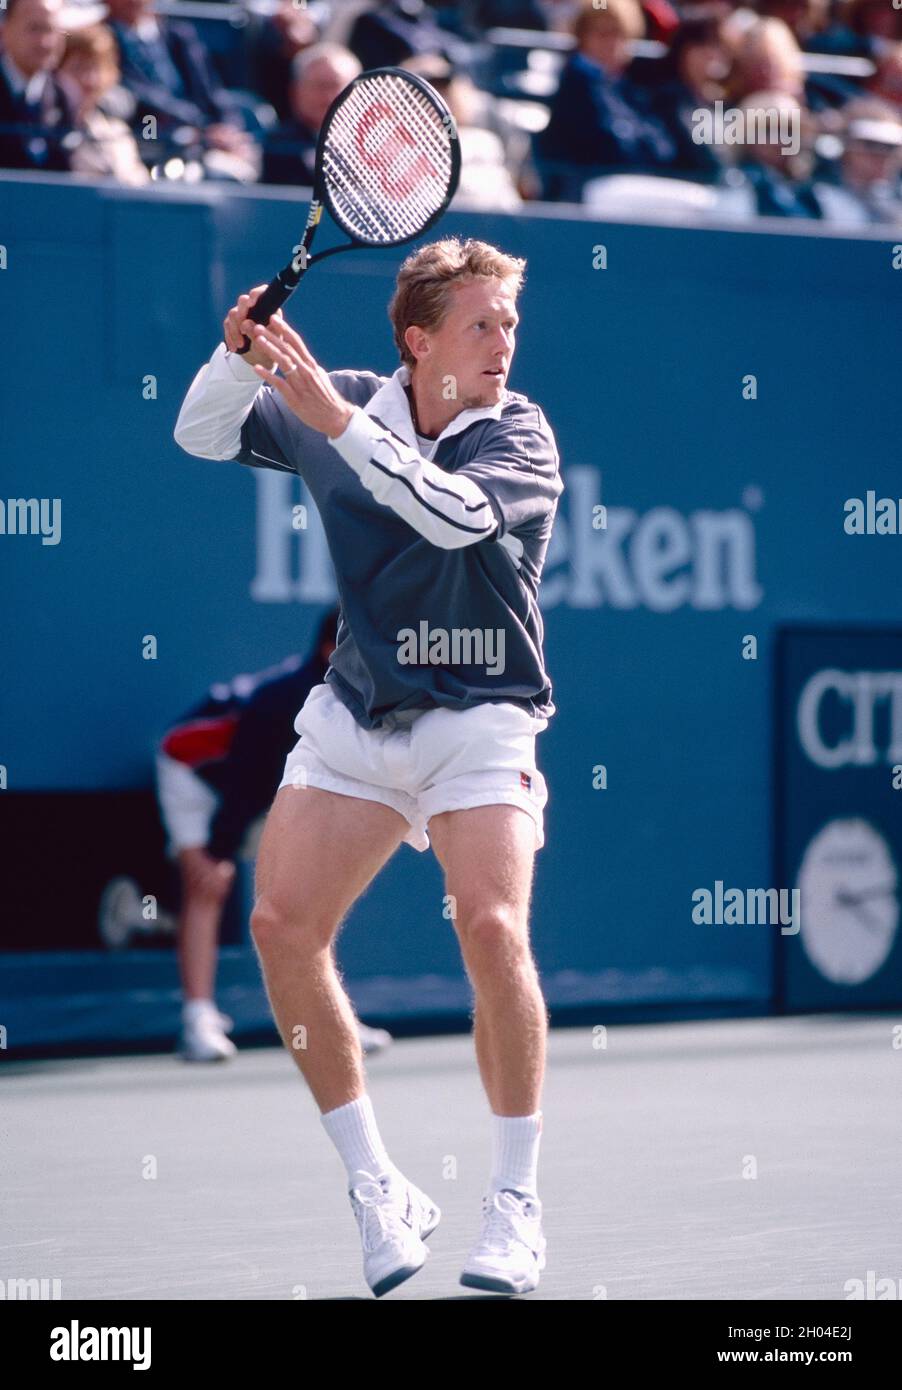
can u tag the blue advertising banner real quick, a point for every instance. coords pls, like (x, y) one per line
(839, 822)
(699, 384)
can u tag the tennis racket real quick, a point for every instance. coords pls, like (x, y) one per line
(387, 166)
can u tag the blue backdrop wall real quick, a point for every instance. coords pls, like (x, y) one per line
(724, 519)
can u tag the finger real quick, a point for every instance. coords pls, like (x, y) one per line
(248, 325)
(279, 383)
(233, 333)
(234, 338)
(283, 331)
(275, 348)
(273, 340)
(254, 294)
(294, 339)
(232, 324)
(230, 330)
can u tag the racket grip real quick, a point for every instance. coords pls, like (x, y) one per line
(272, 298)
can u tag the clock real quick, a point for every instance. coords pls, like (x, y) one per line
(849, 910)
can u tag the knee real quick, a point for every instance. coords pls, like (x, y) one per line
(493, 934)
(210, 894)
(275, 926)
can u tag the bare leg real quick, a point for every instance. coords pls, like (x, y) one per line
(206, 884)
(487, 854)
(318, 853)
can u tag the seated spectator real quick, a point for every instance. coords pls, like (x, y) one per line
(320, 73)
(693, 76)
(37, 118)
(766, 58)
(774, 183)
(599, 120)
(281, 37)
(90, 68)
(805, 18)
(166, 70)
(870, 167)
(862, 29)
(886, 84)
(478, 15)
(484, 176)
(392, 30)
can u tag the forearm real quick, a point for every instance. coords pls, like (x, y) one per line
(218, 402)
(450, 511)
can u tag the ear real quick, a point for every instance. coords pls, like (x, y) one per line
(417, 341)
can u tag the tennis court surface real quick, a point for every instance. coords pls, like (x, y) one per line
(146, 1178)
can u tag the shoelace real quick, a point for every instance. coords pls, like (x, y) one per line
(381, 1217)
(500, 1226)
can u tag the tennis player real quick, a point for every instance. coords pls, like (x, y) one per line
(437, 488)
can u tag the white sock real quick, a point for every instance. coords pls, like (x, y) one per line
(193, 1009)
(515, 1152)
(355, 1134)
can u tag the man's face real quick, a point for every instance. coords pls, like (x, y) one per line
(772, 70)
(866, 163)
(604, 43)
(314, 93)
(32, 36)
(474, 344)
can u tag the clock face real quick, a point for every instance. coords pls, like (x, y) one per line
(847, 896)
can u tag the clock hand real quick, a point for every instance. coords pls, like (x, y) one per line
(868, 920)
(848, 899)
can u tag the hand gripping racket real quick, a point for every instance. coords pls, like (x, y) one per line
(387, 166)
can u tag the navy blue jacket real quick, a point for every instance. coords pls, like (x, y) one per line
(36, 137)
(289, 155)
(603, 121)
(777, 195)
(237, 740)
(177, 84)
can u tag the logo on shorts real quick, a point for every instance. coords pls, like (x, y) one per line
(526, 781)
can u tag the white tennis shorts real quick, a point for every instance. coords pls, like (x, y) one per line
(434, 760)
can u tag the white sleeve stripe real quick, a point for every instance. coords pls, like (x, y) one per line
(466, 487)
(398, 476)
(442, 516)
(271, 463)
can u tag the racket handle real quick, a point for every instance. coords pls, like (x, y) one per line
(272, 298)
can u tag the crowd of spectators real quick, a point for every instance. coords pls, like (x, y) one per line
(601, 99)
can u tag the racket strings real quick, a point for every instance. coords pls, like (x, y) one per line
(387, 159)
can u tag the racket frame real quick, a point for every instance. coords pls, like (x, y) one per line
(286, 282)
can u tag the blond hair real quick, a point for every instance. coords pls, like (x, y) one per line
(614, 16)
(97, 41)
(428, 276)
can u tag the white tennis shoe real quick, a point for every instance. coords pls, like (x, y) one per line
(395, 1218)
(373, 1039)
(204, 1037)
(509, 1255)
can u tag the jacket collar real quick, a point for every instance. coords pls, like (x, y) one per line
(392, 408)
(29, 89)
